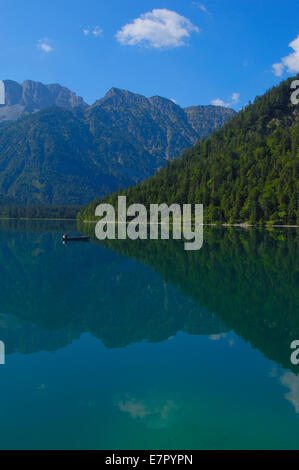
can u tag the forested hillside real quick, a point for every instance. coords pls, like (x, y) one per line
(245, 172)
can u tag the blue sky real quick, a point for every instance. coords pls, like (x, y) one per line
(214, 51)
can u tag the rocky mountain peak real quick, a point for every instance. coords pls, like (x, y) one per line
(31, 96)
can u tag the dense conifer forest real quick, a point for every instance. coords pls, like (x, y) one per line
(245, 172)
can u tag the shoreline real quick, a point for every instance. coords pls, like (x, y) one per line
(212, 224)
(32, 218)
(242, 225)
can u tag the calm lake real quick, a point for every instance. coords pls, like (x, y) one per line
(142, 345)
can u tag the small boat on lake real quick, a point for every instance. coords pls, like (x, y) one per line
(66, 238)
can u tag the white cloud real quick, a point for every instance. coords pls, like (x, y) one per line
(278, 69)
(44, 45)
(218, 102)
(291, 61)
(159, 28)
(96, 31)
(202, 7)
(234, 99)
(173, 100)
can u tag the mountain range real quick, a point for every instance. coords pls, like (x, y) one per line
(247, 171)
(57, 150)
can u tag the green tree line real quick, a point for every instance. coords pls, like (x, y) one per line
(245, 172)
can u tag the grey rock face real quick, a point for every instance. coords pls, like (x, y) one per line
(13, 92)
(31, 97)
(205, 119)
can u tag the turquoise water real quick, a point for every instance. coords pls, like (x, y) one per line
(141, 345)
